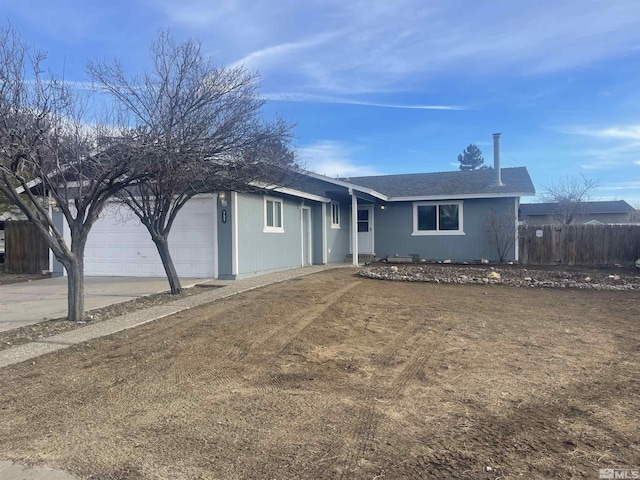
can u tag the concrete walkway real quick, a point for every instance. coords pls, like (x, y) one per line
(14, 471)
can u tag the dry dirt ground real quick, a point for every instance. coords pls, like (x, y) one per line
(339, 376)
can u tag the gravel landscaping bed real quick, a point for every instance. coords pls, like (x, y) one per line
(514, 275)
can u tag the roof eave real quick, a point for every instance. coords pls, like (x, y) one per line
(415, 198)
(348, 185)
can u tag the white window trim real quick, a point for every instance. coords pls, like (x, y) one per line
(272, 229)
(336, 225)
(417, 232)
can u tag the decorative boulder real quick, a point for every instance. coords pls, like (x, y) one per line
(494, 276)
(393, 269)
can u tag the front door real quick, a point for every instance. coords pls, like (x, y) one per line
(365, 230)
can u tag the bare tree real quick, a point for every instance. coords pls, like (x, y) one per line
(50, 156)
(502, 229)
(569, 194)
(197, 129)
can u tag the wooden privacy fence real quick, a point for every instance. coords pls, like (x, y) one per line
(579, 244)
(25, 251)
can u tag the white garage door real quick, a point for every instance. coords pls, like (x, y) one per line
(119, 245)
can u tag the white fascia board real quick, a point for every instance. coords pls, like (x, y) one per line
(350, 185)
(30, 185)
(301, 194)
(36, 181)
(456, 197)
(291, 191)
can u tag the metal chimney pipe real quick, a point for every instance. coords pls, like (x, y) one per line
(497, 169)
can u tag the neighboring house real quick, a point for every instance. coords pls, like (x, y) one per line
(590, 213)
(230, 235)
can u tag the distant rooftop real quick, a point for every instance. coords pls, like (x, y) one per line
(586, 208)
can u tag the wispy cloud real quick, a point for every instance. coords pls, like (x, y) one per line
(363, 46)
(282, 51)
(333, 159)
(619, 132)
(608, 147)
(633, 185)
(311, 98)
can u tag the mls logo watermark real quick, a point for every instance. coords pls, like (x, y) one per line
(619, 473)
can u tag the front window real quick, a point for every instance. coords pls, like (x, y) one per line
(437, 218)
(273, 215)
(335, 215)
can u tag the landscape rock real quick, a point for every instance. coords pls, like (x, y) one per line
(551, 277)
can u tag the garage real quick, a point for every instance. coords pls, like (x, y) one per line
(119, 245)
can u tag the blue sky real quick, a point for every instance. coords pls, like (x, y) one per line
(381, 87)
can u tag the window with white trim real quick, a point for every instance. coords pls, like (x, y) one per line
(335, 215)
(273, 211)
(437, 218)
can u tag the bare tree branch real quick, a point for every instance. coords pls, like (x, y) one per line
(569, 194)
(50, 155)
(502, 229)
(196, 128)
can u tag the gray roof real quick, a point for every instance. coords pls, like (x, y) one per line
(450, 184)
(586, 208)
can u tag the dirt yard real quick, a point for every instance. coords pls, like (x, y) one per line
(339, 376)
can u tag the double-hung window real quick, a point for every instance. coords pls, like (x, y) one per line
(335, 215)
(273, 208)
(437, 218)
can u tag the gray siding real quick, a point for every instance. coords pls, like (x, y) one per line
(338, 238)
(225, 238)
(260, 252)
(394, 226)
(316, 231)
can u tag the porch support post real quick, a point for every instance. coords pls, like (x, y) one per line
(516, 247)
(354, 227)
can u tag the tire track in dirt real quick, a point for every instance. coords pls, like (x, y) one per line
(283, 339)
(369, 419)
(366, 420)
(277, 340)
(418, 361)
(241, 356)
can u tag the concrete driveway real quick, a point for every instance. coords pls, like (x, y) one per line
(32, 302)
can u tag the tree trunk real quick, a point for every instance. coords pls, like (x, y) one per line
(75, 290)
(162, 245)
